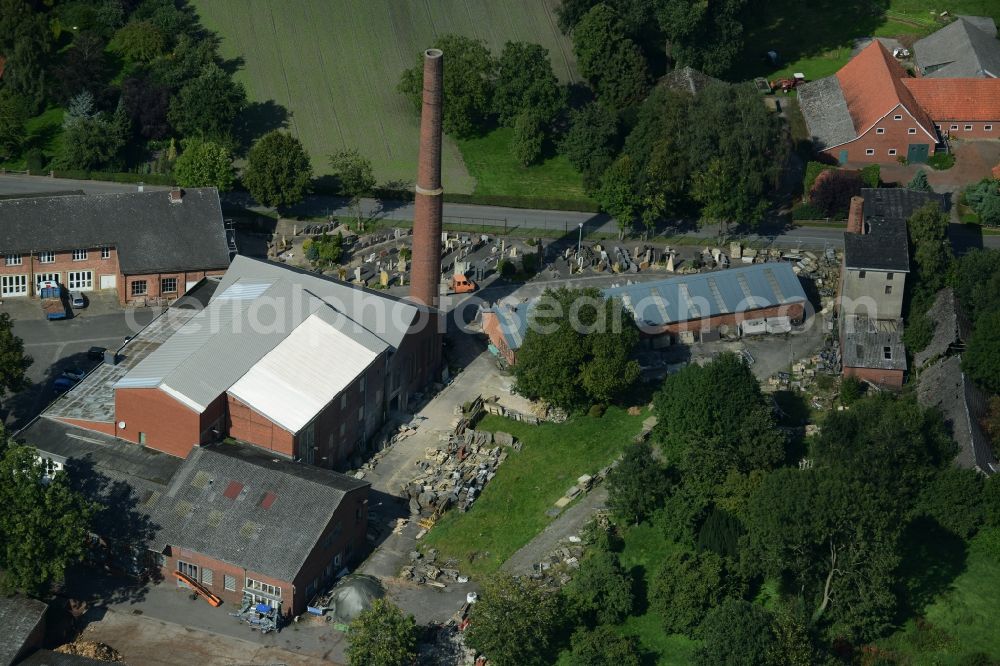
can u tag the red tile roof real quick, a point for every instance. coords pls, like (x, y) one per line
(873, 86)
(957, 99)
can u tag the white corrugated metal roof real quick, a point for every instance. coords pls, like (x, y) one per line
(300, 376)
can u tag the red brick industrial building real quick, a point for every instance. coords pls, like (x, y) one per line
(873, 111)
(147, 246)
(685, 308)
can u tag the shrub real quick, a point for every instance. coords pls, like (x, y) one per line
(984, 199)
(813, 170)
(871, 175)
(850, 390)
(596, 411)
(807, 212)
(941, 161)
(35, 159)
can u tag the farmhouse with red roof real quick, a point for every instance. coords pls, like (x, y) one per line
(872, 110)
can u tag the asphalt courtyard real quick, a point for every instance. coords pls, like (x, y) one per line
(56, 346)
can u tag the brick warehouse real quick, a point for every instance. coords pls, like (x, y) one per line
(871, 110)
(147, 246)
(229, 516)
(682, 307)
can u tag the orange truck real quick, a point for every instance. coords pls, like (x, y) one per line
(460, 284)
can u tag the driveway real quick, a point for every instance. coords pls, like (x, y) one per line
(974, 161)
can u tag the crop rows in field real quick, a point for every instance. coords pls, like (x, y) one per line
(334, 65)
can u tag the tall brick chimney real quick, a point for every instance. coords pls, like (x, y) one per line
(856, 216)
(425, 274)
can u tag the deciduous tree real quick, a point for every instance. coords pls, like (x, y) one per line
(619, 194)
(83, 68)
(205, 164)
(513, 621)
(637, 485)
(738, 633)
(278, 170)
(608, 59)
(601, 588)
(382, 636)
(139, 41)
(955, 500)
(355, 178)
(45, 524)
(932, 256)
(604, 646)
(528, 139)
(25, 42)
(147, 103)
(206, 106)
(526, 83)
(591, 142)
(469, 74)
(706, 37)
(13, 131)
(686, 587)
(14, 363)
(981, 360)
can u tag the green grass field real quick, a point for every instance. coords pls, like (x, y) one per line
(335, 65)
(512, 508)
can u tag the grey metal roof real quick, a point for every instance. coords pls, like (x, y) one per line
(687, 79)
(18, 618)
(866, 341)
(966, 48)
(151, 234)
(194, 513)
(945, 386)
(254, 308)
(826, 114)
(700, 295)
(186, 503)
(951, 327)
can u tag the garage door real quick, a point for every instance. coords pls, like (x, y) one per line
(45, 277)
(109, 281)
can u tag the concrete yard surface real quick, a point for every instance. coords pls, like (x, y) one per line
(148, 641)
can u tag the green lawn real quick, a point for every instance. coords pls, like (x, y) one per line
(489, 161)
(334, 67)
(512, 508)
(962, 620)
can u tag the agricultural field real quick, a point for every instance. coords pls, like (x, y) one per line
(334, 66)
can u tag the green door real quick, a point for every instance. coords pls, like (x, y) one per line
(917, 153)
(843, 157)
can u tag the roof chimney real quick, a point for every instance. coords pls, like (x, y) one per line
(856, 216)
(425, 276)
(176, 195)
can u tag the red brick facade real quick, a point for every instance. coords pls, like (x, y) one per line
(491, 327)
(248, 425)
(92, 269)
(885, 378)
(896, 135)
(342, 542)
(155, 419)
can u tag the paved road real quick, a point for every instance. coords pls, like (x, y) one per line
(491, 216)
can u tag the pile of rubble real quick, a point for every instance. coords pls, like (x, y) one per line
(454, 474)
(91, 650)
(424, 569)
(446, 647)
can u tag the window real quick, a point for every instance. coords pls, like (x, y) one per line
(206, 577)
(229, 582)
(861, 275)
(897, 117)
(888, 276)
(869, 151)
(361, 385)
(13, 285)
(988, 128)
(887, 353)
(168, 285)
(892, 151)
(189, 570)
(337, 559)
(106, 252)
(264, 588)
(954, 127)
(888, 289)
(912, 130)
(343, 427)
(880, 130)
(343, 401)
(361, 413)
(80, 279)
(968, 128)
(79, 255)
(13, 259)
(142, 439)
(139, 288)
(936, 126)
(47, 257)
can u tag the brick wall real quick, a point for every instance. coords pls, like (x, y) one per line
(167, 425)
(491, 327)
(154, 283)
(896, 136)
(219, 571)
(249, 425)
(62, 265)
(956, 129)
(794, 311)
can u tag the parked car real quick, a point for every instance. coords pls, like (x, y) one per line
(75, 374)
(63, 384)
(96, 353)
(77, 300)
